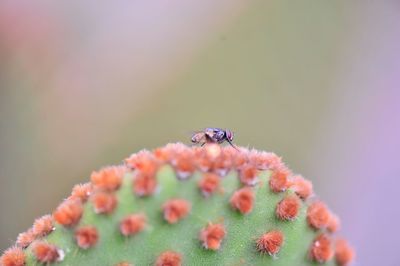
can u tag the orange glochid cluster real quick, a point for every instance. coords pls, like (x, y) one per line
(132, 224)
(24, 239)
(270, 242)
(108, 179)
(69, 212)
(209, 184)
(321, 248)
(279, 179)
(144, 162)
(248, 175)
(146, 166)
(344, 253)
(13, 256)
(169, 258)
(123, 263)
(288, 208)
(212, 235)
(175, 209)
(265, 160)
(183, 163)
(302, 187)
(318, 215)
(40, 228)
(43, 226)
(86, 236)
(47, 253)
(104, 202)
(242, 200)
(81, 192)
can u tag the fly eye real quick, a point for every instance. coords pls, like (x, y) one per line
(229, 135)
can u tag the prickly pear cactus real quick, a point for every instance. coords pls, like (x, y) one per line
(180, 205)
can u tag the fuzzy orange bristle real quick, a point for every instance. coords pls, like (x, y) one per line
(270, 242)
(109, 178)
(175, 210)
(86, 236)
(333, 223)
(288, 208)
(318, 215)
(81, 192)
(243, 200)
(209, 184)
(278, 181)
(144, 185)
(202, 160)
(239, 158)
(43, 226)
(13, 256)
(321, 248)
(212, 236)
(344, 253)
(124, 263)
(26, 238)
(265, 160)
(184, 164)
(144, 162)
(248, 175)
(69, 212)
(104, 202)
(47, 253)
(223, 163)
(132, 224)
(302, 187)
(169, 258)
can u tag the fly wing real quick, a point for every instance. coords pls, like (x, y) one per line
(198, 137)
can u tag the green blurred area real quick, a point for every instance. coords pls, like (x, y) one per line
(267, 75)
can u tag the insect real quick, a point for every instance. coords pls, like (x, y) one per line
(213, 135)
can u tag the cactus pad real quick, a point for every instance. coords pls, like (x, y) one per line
(180, 205)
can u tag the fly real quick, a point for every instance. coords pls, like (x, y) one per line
(213, 135)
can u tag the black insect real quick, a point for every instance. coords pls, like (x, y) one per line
(213, 135)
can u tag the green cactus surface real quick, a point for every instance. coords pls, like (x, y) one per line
(144, 185)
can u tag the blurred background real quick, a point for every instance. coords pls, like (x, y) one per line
(85, 83)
